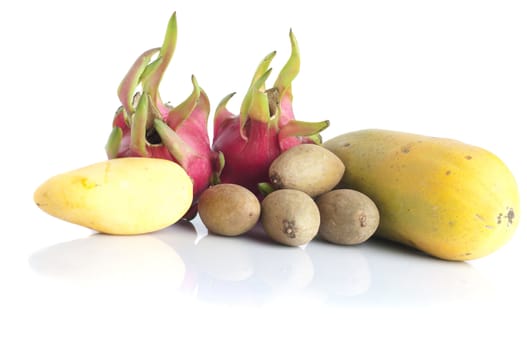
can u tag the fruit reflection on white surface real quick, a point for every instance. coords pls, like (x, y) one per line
(223, 260)
(382, 273)
(289, 270)
(251, 269)
(106, 259)
(341, 270)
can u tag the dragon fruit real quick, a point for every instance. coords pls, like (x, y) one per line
(144, 126)
(265, 126)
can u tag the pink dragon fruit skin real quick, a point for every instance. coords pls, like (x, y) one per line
(144, 126)
(265, 127)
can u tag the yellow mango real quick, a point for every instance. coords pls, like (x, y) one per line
(123, 196)
(448, 199)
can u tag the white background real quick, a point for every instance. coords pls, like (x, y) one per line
(455, 69)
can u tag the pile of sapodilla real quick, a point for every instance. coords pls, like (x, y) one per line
(302, 204)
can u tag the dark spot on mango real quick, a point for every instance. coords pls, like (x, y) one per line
(406, 149)
(347, 144)
(448, 172)
(468, 157)
(510, 215)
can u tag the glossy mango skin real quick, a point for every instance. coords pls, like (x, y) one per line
(122, 196)
(448, 199)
